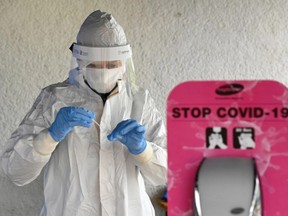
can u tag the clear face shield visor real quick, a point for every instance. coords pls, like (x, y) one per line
(102, 67)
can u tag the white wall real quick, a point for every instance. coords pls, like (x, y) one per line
(172, 41)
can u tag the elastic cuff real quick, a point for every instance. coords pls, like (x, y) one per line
(146, 155)
(44, 144)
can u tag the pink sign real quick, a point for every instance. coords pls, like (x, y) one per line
(197, 108)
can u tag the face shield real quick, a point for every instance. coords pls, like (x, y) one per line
(103, 67)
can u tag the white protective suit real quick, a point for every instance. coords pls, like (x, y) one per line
(85, 174)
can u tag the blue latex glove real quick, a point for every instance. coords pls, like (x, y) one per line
(131, 134)
(67, 118)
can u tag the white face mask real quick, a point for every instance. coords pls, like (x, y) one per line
(103, 80)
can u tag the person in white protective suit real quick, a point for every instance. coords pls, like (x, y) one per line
(96, 135)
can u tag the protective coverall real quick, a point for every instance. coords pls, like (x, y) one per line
(87, 174)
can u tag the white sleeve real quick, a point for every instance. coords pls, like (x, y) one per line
(44, 144)
(153, 163)
(29, 148)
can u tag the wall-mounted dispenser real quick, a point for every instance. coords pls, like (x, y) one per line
(228, 148)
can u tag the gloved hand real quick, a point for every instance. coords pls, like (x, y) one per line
(67, 118)
(131, 134)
